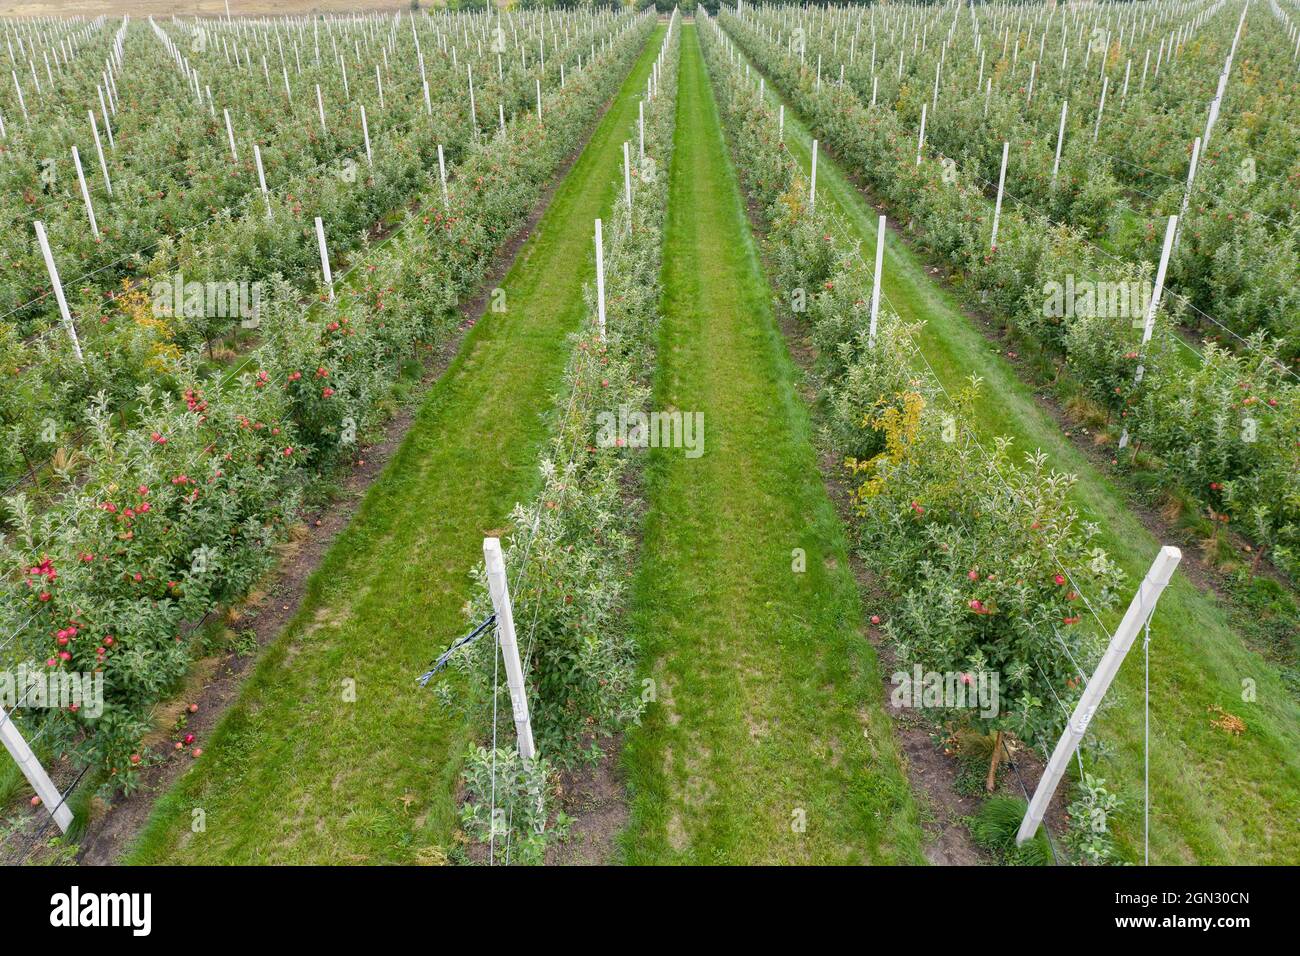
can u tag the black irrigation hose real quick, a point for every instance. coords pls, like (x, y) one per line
(62, 800)
(442, 660)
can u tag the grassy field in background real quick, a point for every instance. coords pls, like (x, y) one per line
(769, 710)
(296, 774)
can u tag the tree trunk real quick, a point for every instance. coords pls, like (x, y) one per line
(992, 780)
(31, 470)
(1254, 565)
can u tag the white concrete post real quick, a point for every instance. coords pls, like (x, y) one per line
(1187, 192)
(324, 257)
(1149, 323)
(1139, 611)
(473, 111)
(31, 767)
(505, 628)
(1060, 138)
(261, 178)
(442, 177)
(365, 132)
(58, 289)
(85, 193)
(627, 179)
(1002, 181)
(812, 191)
(920, 139)
(1101, 106)
(600, 280)
(99, 148)
(875, 288)
(230, 135)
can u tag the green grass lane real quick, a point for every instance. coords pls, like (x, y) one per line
(768, 742)
(295, 773)
(1216, 798)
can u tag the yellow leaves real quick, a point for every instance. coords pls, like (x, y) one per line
(901, 423)
(1249, 73)
(155, 332)
(164, 356)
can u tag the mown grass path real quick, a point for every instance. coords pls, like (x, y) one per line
(1216, 798)
(297, 774)
(768, 743)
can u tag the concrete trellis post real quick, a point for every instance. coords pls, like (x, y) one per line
(780, 123)
(1139, 611)
(920, 139)
(99, 148)
(324, 257)
(21, 102)
(473, 112)
(812, 191)
(1187, 192)
(365, 132)
(1101, 106)
(600, 280)
(320, 109)
(442, 178)
(108, 127)
(1060, 138)
(58, 290)
(505, 628)
(1149, 323)
(875, 286)
(1002, 181)
(23, 755)
(230, 135)
(261, 178)
(627, 180)
(85, 193)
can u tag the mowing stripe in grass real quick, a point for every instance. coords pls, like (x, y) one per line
(1216, 798)
(768, 743)
(294, 773)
